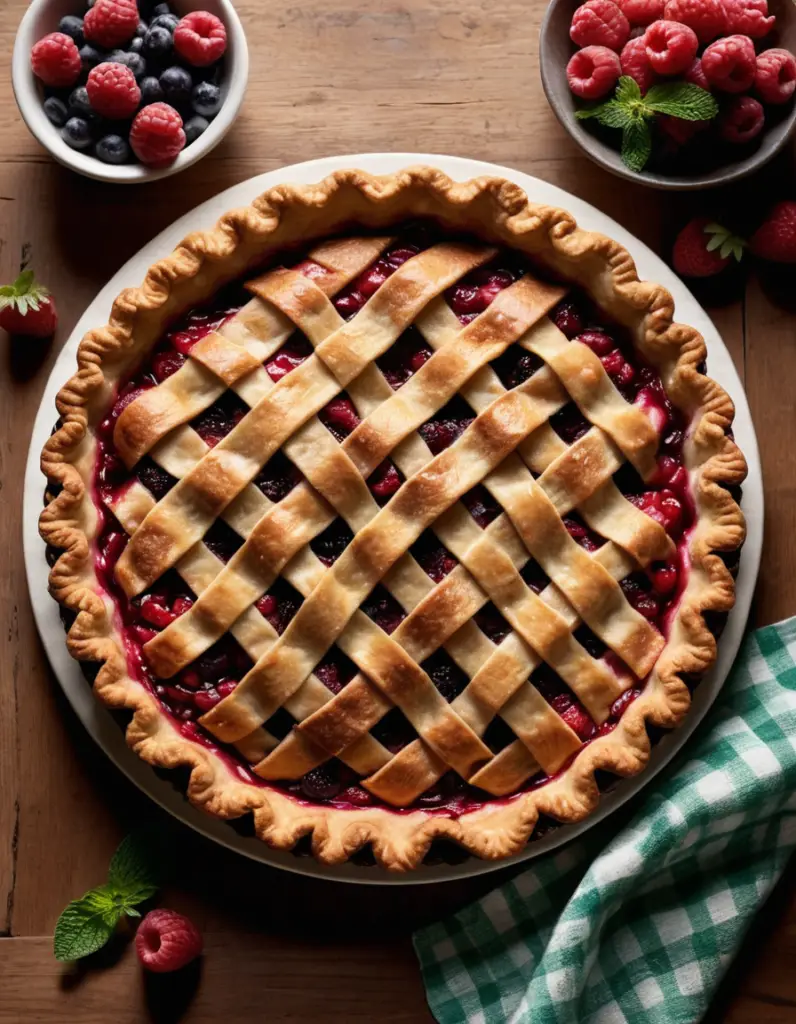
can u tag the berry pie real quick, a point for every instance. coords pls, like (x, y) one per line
(395, 509)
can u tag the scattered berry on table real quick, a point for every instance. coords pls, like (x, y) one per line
(705, 17)
(27, 308)
(158, 42)
(775, 239)
(150, 90)
(176, 84)
(704, 249)
(113, 91)
(600, 23)
(56, 110)
(749, 17)
(157, 135)
(206, 99)
(195, 127)
(775, 78)
(696, 75)
(671, 47)
(200, 38)
(642, 12)
(636, 64)
(71, 25)
(76, 133)
(79, 103)
(112, 149)
(730, 64)
(166, 941)
(55, 60)
(741, 120)
(111, 22)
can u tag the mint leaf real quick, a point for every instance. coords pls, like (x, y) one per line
(636, 145)
(628, 90)
(86, 925)
(615, 115)
(682, 99)
(134, 872)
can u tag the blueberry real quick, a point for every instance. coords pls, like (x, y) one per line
(136, 45)
(90, 57)
(150, 90)
(79, 103)
(159, 9)
(176, 84)
(112, 149)
(76, 133)
(157, 42)
(72, 26)
(57, 113)
(134, 61)
(167, 21)
(140, 32)
(193, 128)
(206, 99)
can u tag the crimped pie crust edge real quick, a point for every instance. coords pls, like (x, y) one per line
(497, 210)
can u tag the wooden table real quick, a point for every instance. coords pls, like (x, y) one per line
(448, 76)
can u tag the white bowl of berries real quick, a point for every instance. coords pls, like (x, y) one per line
(129, 90)
(677, 94)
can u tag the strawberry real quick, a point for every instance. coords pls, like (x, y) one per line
(704, 249)
(27, 308)
(775, 239)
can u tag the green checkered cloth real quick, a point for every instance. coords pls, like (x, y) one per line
(640, 926)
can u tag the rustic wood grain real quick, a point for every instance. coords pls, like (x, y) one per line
(352, 76)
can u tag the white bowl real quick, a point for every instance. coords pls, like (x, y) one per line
(42, 16)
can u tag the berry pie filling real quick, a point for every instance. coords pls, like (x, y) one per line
(654, 592)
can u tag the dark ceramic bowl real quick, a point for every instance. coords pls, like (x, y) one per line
(727, 164)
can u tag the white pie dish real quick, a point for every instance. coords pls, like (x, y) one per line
(458, 169)
(42, 16)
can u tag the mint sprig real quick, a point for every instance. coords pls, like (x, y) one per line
(634, 114)
(134, 876)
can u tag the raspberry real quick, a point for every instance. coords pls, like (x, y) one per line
(696, 75)
(748, 17)
(730, 64)
(641, 12)
(166, 941)
(678, 131)
(775, 79)
(113, 91)
(741, 120)
(156, 135)
(671, 47)
(200, 38)
(705, 17)
(111, 22)
(593, 72)
(636, 64)
(600, 23)
(55, 60)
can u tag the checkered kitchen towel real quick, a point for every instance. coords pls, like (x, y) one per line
(641, 926)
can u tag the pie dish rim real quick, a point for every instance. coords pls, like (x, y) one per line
(402, 847)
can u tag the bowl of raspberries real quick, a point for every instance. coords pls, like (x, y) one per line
(677, 94)
(129, 90)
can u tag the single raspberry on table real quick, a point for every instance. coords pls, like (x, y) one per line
(730, 64)
(111, 22)
(55, 60)
(741, 120)
(642, 12)
(775, 79)
(113, 91)
(748, 17)
(671, 47)
(200, 38)
(705, 17)
(593, 72)
(696, 75)
(600, 23)
(775, 239)
(156, 134)
(166, 941)
(636, 64)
